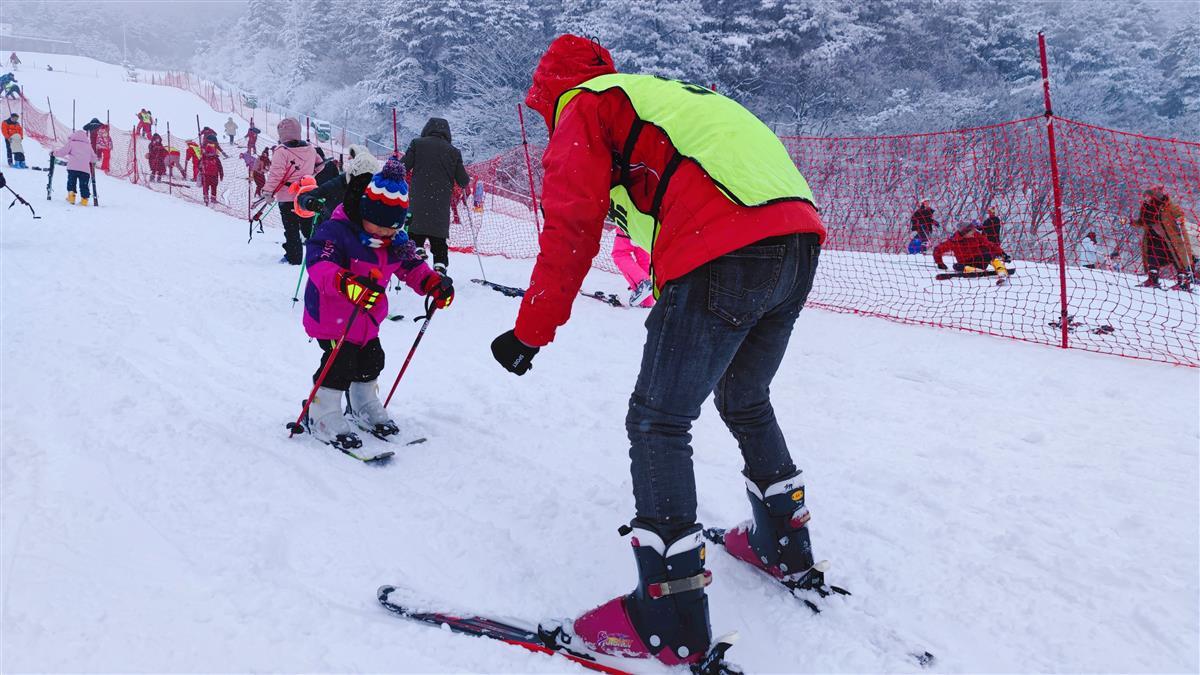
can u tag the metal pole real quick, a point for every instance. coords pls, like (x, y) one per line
(529, 168)
(395, 135)
(1056, 187)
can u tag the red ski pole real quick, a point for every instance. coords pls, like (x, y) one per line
(429, 310)
(297, 427)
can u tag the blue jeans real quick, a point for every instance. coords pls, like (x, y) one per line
(724, 327)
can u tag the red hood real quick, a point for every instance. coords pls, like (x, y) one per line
(569, 61)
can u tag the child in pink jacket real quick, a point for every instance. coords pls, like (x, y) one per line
(351, 259)
(634, 263)
(80, 157)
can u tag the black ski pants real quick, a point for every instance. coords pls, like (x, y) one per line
(82, 178)
(437, 246)
(355, 363)
(293, 227)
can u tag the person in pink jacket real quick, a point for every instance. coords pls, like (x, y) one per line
(634, 263)
(292, 160)
(79, 157)
(351, 259)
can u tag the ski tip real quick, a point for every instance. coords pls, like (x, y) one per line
(383, 592)
(381, 458)
(417, 441)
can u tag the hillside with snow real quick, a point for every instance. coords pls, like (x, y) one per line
(1008, 507)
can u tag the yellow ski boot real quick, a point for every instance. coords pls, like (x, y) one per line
(83, 202)
(71, 197)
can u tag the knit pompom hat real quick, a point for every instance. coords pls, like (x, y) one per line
(385, 201)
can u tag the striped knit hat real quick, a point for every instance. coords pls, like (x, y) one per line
(385, 201)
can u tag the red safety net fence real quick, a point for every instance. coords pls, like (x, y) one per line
(867, 190)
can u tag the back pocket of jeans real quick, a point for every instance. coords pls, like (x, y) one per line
(741, 283)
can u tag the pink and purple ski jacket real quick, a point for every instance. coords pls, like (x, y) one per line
(337, 244)
(78, 152)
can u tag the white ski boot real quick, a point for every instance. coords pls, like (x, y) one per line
(368, 412)
(639, 295)
(327, 423)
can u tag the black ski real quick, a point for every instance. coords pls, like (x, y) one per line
(553, 641)
(814, 581)
(95, 192)
(510, 291)
(606, 298)
(969, 275)
(515, 292)
(50, 177)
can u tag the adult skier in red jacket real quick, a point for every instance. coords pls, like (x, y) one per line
(734, 239)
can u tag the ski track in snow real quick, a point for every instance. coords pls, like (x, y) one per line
(1007, 506)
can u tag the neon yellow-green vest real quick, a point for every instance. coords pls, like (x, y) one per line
(744, 158)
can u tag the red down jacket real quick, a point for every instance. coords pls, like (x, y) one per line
(698, 222)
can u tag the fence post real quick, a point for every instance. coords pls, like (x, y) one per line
(1056, 187)
(529, 168)
(395, 135)
(170, 176)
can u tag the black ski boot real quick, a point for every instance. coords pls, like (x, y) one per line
(666, 616)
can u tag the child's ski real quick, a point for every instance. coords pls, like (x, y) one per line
(510, 291)
(969, 275)
(606, 298)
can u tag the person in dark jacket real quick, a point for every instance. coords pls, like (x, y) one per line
(923, 223)
(436, 167)
(991, 227)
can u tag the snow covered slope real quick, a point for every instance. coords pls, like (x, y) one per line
(1007, 506)
(99, 88)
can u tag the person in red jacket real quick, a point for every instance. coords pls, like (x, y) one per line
(211, 169)
(970, 248)
(731, 280)
(157, 156)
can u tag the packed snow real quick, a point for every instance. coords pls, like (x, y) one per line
(1006, 506)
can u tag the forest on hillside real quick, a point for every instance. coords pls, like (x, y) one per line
(807, 67)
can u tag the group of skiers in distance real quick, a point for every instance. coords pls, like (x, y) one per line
(1164, 242)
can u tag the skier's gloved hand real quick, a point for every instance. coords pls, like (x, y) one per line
(942, 266)
(514, 355)
(362, 291)
(441, 288)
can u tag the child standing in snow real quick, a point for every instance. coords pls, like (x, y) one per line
(80, 157)
(157, 157)
(211, 170)
(172, 158)
(351, 258)
(18, 151)
(259, 172)
(230, 129)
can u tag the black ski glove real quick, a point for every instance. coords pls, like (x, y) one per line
(514, 355)
(941, 266)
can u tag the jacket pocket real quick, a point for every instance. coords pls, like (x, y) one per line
(741, 283)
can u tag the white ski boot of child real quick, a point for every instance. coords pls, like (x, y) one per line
(639, 295)
(327, 423)
(367, 410)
